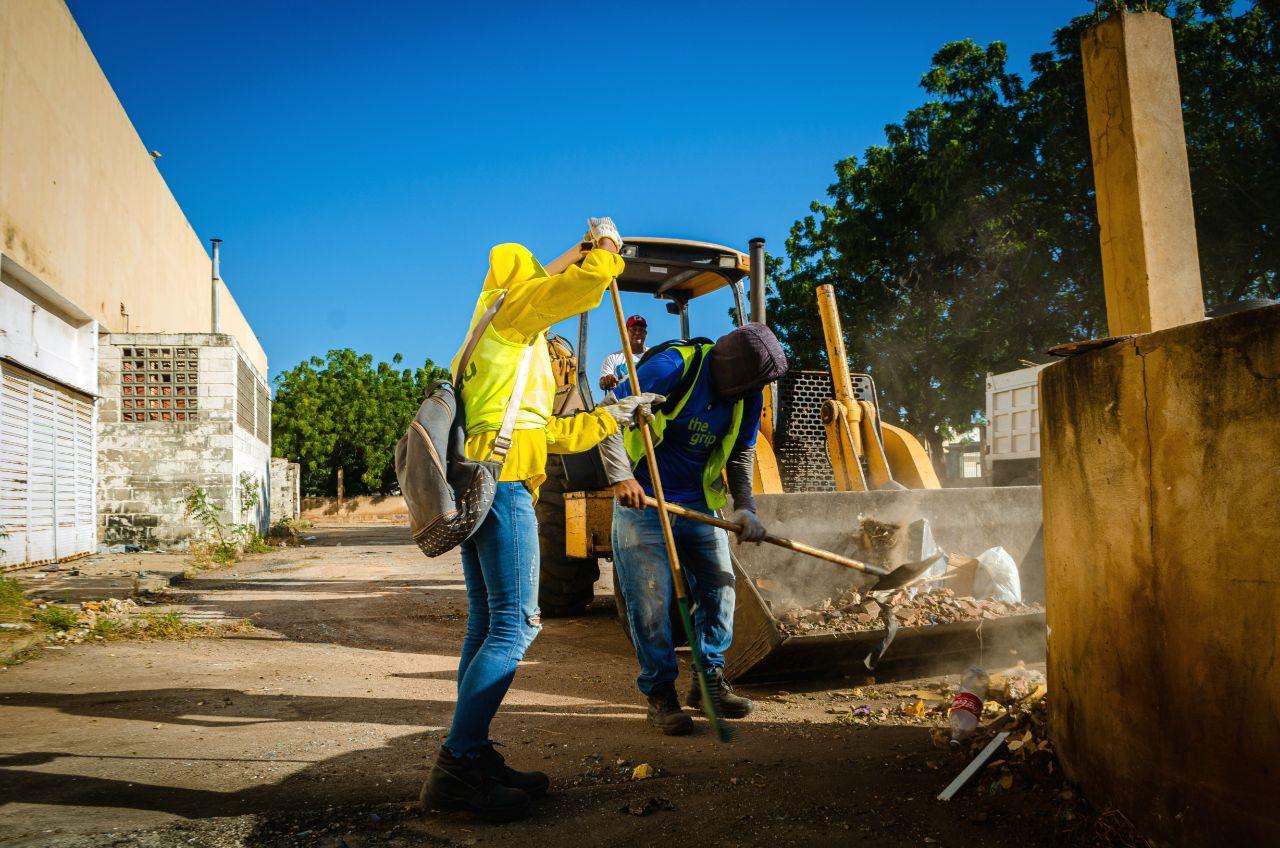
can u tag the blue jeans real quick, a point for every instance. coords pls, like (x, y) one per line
(500, 565)
(644, 576)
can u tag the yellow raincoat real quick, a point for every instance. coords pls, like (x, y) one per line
(534, 301)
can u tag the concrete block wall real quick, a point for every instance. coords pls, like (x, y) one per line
(146, 468)
(286, 490)
(252, 457)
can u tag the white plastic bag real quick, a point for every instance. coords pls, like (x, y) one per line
(997, 577)
(928, 550)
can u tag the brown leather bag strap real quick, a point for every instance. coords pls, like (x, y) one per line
(485, 320)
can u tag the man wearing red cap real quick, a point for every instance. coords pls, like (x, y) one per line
(614, 367)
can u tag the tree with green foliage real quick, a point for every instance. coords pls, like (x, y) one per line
(344, 411)
(969, 239)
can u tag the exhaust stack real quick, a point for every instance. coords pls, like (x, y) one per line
(757, 280)
(214, 287)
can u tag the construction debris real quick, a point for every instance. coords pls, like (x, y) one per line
(647, 808)
(644, 771)
(969, 770)
(853, 611)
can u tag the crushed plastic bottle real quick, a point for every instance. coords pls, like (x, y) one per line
(966, 706)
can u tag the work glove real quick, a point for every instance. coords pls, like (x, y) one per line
(602, 228)
(633, 409)
(752, 528)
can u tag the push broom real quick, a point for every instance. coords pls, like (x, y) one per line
(709, 706)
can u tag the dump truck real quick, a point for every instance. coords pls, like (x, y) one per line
(827, 465)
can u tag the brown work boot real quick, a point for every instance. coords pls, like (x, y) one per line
(728, 705)
(532, 783)
(464, 783)
(665, 713)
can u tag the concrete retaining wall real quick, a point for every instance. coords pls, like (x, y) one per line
(357, 509)
(1161, 469)
(286, 490)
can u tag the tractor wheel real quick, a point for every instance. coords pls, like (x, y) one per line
(566, 584)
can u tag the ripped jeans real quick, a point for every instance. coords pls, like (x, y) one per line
(500, 564)
(644, 576)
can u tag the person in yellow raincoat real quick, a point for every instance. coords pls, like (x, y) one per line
(500, 560)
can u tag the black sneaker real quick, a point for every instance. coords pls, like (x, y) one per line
(665, 713)
(728, 705)
(532, 783)
(465, 784)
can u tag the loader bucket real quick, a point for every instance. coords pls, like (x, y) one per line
(966, 521)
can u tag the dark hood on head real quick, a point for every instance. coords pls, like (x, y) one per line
(746, 360)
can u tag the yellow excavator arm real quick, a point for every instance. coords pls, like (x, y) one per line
(865, 453)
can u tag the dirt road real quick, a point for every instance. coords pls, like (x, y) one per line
(317, 728)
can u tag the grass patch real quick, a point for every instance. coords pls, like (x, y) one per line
(54, 617)
(10, 597)
(164, 625)
(256, 545)
(107, 628)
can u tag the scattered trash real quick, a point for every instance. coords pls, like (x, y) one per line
(1016, 684)
(120, 549)
(644, 771)
(966, 706)
(649, 807)
(971, 769)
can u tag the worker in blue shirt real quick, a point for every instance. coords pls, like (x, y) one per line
(705, 433)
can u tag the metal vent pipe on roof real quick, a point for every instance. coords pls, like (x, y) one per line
(757, 280)
(214, 287)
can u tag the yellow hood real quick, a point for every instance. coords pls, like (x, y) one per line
(510, 264)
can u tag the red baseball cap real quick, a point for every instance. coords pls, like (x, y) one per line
(637, 321)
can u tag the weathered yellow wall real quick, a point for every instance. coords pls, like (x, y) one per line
(359, 508)
(1161, 481)
(82, 205)
(1145, 219)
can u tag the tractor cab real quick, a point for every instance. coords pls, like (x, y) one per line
(674, 270)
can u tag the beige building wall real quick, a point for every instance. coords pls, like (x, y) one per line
(82, 206)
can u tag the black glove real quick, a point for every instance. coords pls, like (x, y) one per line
(752, 528)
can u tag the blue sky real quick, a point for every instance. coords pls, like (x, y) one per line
(359, 159)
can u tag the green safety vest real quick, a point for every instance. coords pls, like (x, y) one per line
(713, 488)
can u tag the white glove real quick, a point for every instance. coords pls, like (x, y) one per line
(752, 528)
(631, 410)
(602, 228)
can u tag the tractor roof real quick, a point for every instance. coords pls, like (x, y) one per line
(678, 268)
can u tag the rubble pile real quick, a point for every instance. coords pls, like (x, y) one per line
(1027, 757)
(876, 541)
(854, 611)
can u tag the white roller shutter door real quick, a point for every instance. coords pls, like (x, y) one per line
(46, 469)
